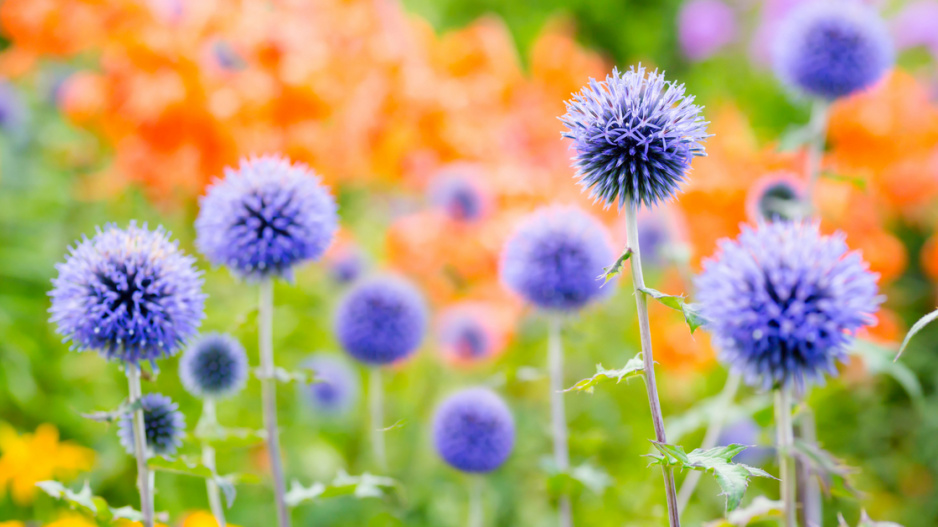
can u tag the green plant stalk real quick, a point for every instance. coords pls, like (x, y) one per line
(140, 449)
(558, 413)
(209, 420)
(641, 304)
(818, 125)
(476, 508)
(376, 407)
(785, 442)
(269, 397)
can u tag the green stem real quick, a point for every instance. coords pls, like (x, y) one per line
(818, 127)
(376, 404)
(140, 448)
(786, 462)
(557, 412)
(210, 421)
(476, 507)
(269, 397)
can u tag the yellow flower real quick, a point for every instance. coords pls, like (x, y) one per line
(30, 458)
(199, 519)
(71, 520)
(12, 524)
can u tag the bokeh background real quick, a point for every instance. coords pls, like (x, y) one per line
(112, 110)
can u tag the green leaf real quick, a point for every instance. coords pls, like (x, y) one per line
(224, 438)
(82, 500)
(700, 415)
(632, 368)
(865, 521)
(364, 486)
(304, 376)
(831, 471)
(565, 482)
(761, 509)
(733, 478)
(181, 465)
(879, 360)
(918, 326)
(399, 424)
(125, 408)
(691, 311)
(610, 272)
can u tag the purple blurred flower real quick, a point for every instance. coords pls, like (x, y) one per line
(12, 108)
(215, 365)
(917, 25)
(770, 18)
(337, 384)
(746, 432)
(705, 26)
(474, 431)
(456, 190)
(776, 196)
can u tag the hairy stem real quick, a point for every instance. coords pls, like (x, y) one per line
(269, 397)
(140, 446)
(476, 509)
(786, 462)
(557, 412)
(638, 282)
(710, 437)
(818, 127)
(376, 405)
(209, 420)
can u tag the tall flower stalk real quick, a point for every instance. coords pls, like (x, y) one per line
(140, 448)
(265, 335)
(209, 420)
(785, 442)
(557, 412)
(376, 417)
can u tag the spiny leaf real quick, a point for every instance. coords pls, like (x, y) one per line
(918, 326)
(82, 500)
(878, 359)
(865, 521)
(733, 478)
(831, 471)
(632, 368)
(610, 272)
(364, 486)
(761, 509)
(677, 302)
(125, 408)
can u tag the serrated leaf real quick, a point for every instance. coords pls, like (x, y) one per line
(364, 486)
(761, 509)
(181, 465)
(918, 326)
(878, 360)
(691, 312)
(111, 416)
(831, 471)
(733, 478)
(632, 368)
(865, 521)
(83, 499)
(616, 268)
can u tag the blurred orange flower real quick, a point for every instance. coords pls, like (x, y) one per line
(30, 458)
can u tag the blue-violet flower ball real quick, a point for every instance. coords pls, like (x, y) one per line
(746, 431)
(830, 49)
(381, 320)
(457, 192)
(634, 135)
(783, 302)
(214, 365)
(266, 217)
(554, 258)
(130, 294)
(337, 385)
(164, 426)
(474, 431)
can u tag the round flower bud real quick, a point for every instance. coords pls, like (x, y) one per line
(164, 426)
(214, 366)
(474, 431)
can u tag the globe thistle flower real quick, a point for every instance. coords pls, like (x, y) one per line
(467, 334)
(214, 366)
(346, 262)
(635, 136)
(164, 426)
(783, 302)
(266, 217)
(381, 320)
(554, 257)
(774, 197)
(746, 431)
(337, 385)
(830, 49)
(457, 192)
(473, 430)
(130, 294)
(705, 26)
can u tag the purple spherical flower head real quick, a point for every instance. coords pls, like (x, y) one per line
(635, 136)
(745, 431)
(337, 385)
(705, 26)
(266, 217)
(130, 294)
(473, 430)
(830, 49)
(214, 365)
(459, 195)
(554, 258)
(381, 320)
(783, 302)
(164, 426)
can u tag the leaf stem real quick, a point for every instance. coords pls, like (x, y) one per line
(209, 420)
(140, 445)
(786, 462)
(557, 412)
(476, 506)
(269, 397)
(638, 283)
(376, 405)
(818, 126)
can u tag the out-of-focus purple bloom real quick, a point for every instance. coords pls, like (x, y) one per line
(215, 365)
(474, 431)
(635, 135)
(746, 432)
(705, 26)
(770, 18)
(164, 426)
(346, 262)
(467, 333)
(457, 191)
(776, 196)
(783, 302)
(917, 25)
(337, 385)
(12, 108)
(130, 294)
(226, 57)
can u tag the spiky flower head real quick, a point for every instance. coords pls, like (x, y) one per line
(337, 385)
(473, 430)
(832, 48)
(554, 258)
(783, 302)
(778, 196)
(456, 190)
(635, 135)
(215, 365)
(164, 426)
(381, 320)
(130, 294)
(266, 217)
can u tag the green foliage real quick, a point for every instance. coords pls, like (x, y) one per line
(879, 361)
(691, 311)
(832, 472)
(364, 486)
(112, 416)
(761, 509)
(616, 268)
(85, 501)
(918, 326)
(632, 368)
(573, 480)
(865, 521)
(733, 478)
